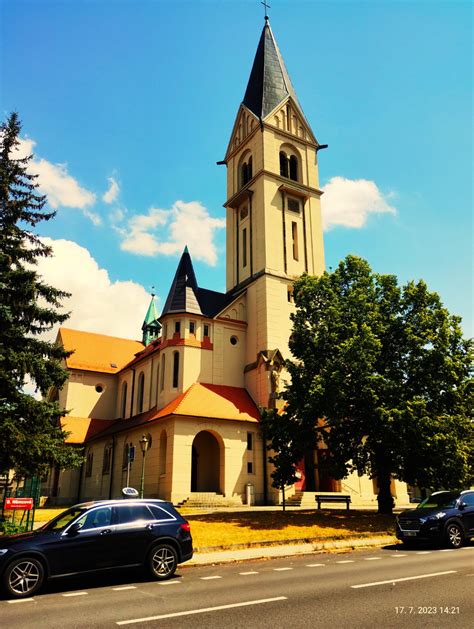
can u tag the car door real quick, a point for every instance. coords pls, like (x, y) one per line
(87, 544)
(467, 513)
(133, 532)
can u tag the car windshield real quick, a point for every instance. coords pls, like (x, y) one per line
(63, 519)
(443, 499)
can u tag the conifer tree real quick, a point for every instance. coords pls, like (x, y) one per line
(31, 439)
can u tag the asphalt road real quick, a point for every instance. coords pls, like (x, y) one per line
(389, 587)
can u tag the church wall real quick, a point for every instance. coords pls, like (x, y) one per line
(316, 264)
(197, 366)
(82, 399)
(234, 456)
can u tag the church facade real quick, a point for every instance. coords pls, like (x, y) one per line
(190, 391)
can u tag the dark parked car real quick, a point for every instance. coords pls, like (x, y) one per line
(445, 517)
(97, 536)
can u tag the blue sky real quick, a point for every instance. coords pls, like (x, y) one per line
(139, 98)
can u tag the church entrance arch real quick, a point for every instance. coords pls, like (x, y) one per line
(206, 463)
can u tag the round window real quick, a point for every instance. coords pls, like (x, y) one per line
(234, 340)
(99, 388)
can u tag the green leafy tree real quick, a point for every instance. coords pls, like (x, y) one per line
(281, 435)
(31, 439)
(389, 371)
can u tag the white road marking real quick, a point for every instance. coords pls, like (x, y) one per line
(22, 600)
(398, 555)
(419, 576)
(281, 569)
(314, 565)
(174, 582)
(249, 572)
(372, 558)
(203, 611)
(346, 561)
(209, 578)
(76, 594)
(125, 587)
(424, 552)
(447, 550)
(467, 548)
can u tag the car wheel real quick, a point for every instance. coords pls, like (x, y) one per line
(23, 577)
(454, 535)
(162, 561)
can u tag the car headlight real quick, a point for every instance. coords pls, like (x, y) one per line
(433, 518)
(3, 551)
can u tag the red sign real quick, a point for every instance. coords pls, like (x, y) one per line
(19, 503)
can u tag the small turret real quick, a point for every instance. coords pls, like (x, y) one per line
(151, 327)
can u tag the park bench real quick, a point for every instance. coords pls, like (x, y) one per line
(333, 498)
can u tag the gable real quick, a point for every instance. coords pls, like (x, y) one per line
(288, 118)
(245, 124)
(236, 310)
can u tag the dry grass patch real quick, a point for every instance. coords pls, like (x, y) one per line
(226, 529)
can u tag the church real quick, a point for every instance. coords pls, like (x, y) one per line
(177, 413)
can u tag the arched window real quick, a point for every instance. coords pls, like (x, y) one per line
(107, 460)
(124, 400)
(140, 392)
(289, 166)
(175, 369)
(163, 365)
(294, 168)
(89, 463)
(245, 169)
(283, 164)
(244, 173)
(162, 456)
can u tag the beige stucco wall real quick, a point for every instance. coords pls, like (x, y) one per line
(81, 399)
(169, 476)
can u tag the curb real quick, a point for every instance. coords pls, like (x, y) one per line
(286, 550)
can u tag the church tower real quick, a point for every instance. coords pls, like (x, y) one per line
(274, 231)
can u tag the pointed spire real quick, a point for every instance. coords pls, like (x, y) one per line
(269, 83)
(151, 327)
(183, 295)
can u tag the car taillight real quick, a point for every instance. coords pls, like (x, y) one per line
(186, 527)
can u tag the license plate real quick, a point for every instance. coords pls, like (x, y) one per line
(409, 533)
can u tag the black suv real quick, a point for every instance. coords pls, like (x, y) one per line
(445, 517)
(97, 536)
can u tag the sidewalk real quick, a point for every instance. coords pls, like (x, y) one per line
(285, 550)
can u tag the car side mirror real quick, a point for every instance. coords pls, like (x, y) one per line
(462, 505)
(74, 529)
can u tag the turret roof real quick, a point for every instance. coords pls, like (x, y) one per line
(186, 296)
(152, 313)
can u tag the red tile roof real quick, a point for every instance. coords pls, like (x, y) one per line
(97, 352)
(83, 428)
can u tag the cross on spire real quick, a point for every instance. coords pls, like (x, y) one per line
(267, 6)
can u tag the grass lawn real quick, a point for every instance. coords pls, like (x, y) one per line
(227, 528)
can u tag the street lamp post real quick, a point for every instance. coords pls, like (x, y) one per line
(144, 446)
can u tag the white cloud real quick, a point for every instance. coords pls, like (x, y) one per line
(97, 304)
(112, 193)
(60, 187)
(167, 232)
(349, 202)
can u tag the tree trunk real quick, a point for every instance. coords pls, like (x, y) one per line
(283, 496)
(384, 497)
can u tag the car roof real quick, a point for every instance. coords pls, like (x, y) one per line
(120, 501)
